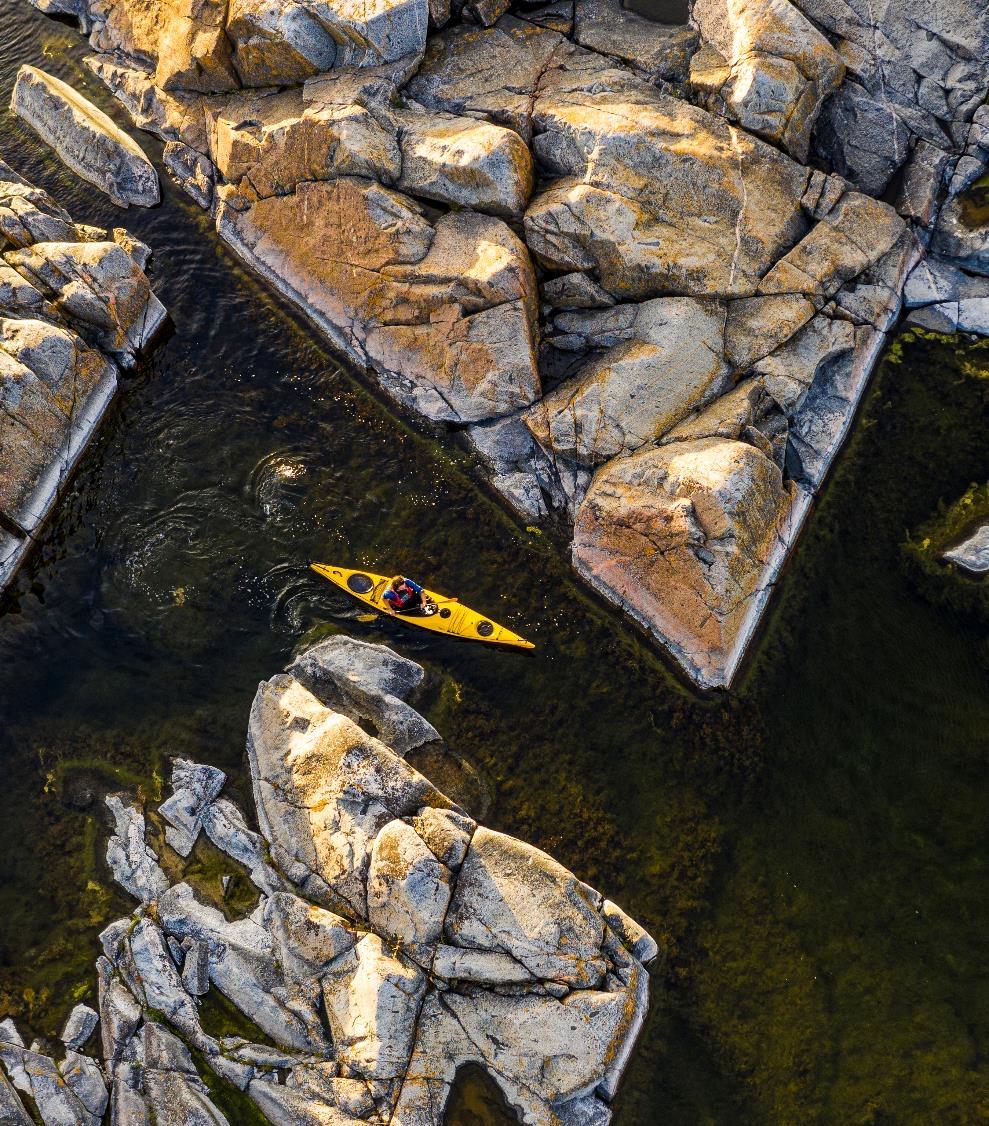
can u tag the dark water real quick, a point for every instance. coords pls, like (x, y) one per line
(811, 850)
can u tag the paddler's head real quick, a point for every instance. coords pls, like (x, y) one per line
(397, 582)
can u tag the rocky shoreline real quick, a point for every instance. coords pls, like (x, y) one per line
(75, 308)
(391, 942)
(642, 270)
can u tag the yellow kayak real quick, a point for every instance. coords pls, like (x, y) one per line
(450, 617)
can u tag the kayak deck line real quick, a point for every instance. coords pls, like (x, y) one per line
(452, 618)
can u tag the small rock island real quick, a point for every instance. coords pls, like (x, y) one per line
(393, 939)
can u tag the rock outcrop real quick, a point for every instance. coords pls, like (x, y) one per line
(75, 307)
(85, 138)
(972, 554)
(401, 941)
(570, 199)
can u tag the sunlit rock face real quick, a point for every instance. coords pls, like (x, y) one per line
(577, 236)
(75, 307)
(393, 940)
(85, 138)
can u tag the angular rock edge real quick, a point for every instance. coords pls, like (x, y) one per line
(394, 940)
(75, 307)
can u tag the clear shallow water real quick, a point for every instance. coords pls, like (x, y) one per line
(811, 850)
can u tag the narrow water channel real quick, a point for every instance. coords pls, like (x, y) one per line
(811, 849)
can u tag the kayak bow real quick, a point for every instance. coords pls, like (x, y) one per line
(452, 617)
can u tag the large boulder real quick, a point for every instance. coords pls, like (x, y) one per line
(682, 537)
(513, 899)
(772, 69)
(669, 360)
(99, 289)
(280, 42)
(53, 390)
(324, 791)
(655, 195)
(443, 312)
(85, 138)
(369, 683)
(655, 51)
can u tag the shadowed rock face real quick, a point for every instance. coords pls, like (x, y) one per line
(619, 212)
(74, 304)
(395, 940)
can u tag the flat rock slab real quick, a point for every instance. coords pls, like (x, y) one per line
(85, 138)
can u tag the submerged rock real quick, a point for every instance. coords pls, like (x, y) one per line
(451, 944)
(85, 138)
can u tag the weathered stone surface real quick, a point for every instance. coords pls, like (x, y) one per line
(776, 68)
(243, 967)
(490, 73)
(194, 788)
(268, 143)
(11, 1108)
(85, 138)
(174, 116)
(536, 1049)
(277, 43)
(97, 288)
(372, 1002)
(71, 297)
(135, 867)
(368, 683)
(408, 889)
(461, 161)
(193, 171)
(670, 360)
(960, 243)
(443, 313)
(973, 553)
(682, 536)
(512, 898)
(913, 71)
(641, 174)
(324, 789)
(655, 51)
(446, 833)
(79, 1026)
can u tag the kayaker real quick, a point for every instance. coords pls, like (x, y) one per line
(403, 596)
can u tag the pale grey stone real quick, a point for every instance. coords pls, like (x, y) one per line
(85, 138)
(408, 889)
(973, 553)
(367, 682)
(195, 967)
(656, 51)
(135, 867)
(372, 1001)
(636, 938)
(243, 967)
(510, 897)
(194, 788)
(79, 1026)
